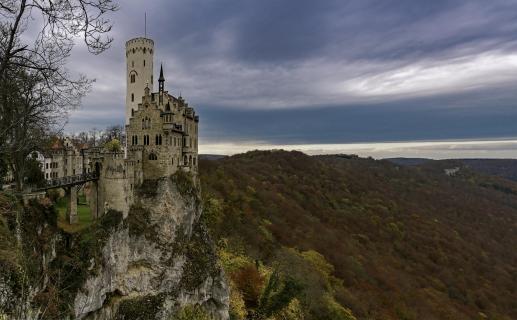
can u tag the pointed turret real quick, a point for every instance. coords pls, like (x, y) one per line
(161, 79)
(161, 82)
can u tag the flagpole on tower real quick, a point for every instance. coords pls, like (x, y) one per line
(145, 24)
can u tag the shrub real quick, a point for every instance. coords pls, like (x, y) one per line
(249, 282)
(192, 312)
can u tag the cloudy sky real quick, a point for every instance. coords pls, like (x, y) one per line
(382, 78)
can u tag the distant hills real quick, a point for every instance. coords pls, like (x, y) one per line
(211, 156)
(505, 168)
(386, 239)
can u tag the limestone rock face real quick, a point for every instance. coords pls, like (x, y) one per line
(157, 260)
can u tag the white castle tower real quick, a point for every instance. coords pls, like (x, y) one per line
(139, 64)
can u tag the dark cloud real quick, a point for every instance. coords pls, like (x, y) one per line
(423, 119)
(329, 71)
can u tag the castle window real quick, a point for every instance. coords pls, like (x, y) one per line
(132, 64)
(144, 63)
(158, 140)
(133, 50)
(190, 160)
(185, 160)
(152, 79)
(132, 97)
(172, 160)
(152, 156)
(132, 112)
(144, 50)
(133, 77)
(194, 159)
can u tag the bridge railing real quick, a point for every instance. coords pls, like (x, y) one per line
(69, 180)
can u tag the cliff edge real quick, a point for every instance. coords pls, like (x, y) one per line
(151, 264)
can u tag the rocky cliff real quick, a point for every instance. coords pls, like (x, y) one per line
(148, 265)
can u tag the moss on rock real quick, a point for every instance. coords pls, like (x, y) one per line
(139, 223)
(184, 181)
(201, 259)
(140, 308)
(78, 256)
(148, 188)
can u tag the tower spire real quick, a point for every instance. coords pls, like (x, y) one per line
(161, 82)
(161, 73)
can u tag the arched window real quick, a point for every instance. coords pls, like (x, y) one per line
(172, 160)
(194, 159)
(144, 63)
(132, 112)
(133, 77)
(160, 139)
(185, 160)
(190, 160)
(132, 64)
(152, 156)
(156, 140)
(145, 50)
(143, 124)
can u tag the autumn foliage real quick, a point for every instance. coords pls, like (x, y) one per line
(385, 241)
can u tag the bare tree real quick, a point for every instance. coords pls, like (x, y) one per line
(114, 132)
(36, 90)
(37, 112)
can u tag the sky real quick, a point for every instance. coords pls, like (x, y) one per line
(377, 78)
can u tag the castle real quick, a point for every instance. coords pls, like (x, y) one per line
(161, 138)
(161, 134)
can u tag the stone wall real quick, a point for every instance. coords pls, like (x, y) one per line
(113, 184)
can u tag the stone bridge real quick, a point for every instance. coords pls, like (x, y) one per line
(70, 185)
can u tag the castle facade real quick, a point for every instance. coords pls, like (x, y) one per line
(161, 134)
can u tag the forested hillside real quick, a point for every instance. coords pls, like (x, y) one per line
(343, 235)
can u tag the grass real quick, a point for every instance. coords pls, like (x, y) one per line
(83, 211)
